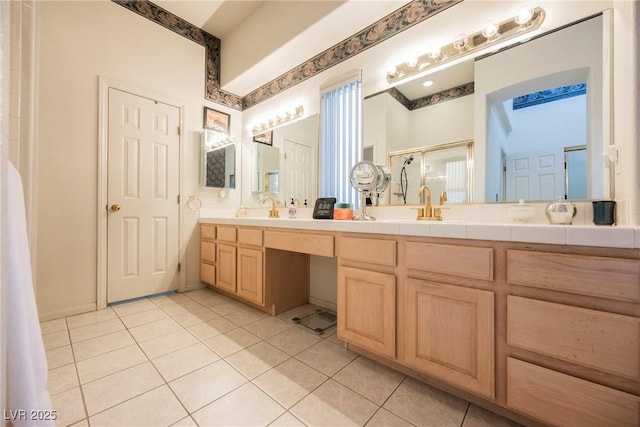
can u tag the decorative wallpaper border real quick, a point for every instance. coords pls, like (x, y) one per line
(549, 95)
(406, 17)
(433, 99)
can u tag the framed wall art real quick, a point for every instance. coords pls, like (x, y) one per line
(264, 138)
(216, 120)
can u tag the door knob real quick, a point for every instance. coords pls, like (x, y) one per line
(115, 207)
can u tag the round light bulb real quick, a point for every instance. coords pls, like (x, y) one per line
(524, 15)
(491, 30)
(412, 62)
(427, 83)
(434, 52)
(461, 43)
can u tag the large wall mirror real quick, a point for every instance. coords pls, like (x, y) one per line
(529, 110)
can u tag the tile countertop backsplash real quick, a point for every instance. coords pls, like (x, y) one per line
(471, 221)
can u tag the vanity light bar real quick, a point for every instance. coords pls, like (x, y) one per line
(495, 32)
(278, 120)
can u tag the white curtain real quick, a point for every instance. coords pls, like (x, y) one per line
(340, 140)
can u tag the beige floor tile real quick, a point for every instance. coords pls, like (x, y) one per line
(110, 363)
(83, 423)
(207, 384)
(164, 300)
(148, 316)
(424, 405)
(479, 417)
(95, 330)
(50, 326)
(228, 307)
(232, 342)
(155, 329)
(62, 379)
(158, 407)
(103, 344)
(59, 356)
(246, 406)
(289, 382)
(68, 406)
(133, 307)
(211, 328)
(268, 327)
(384, 418)
(294, 340)
(119, 387)
(185, 422)
(332, 404)
(85, 319)
(326, 357)
(56, 339)
(287, 420)
(333, 338)
(181, 362)
(370, 379)
(195, 316)
(245, 316)
(181, 307)
(166, 344)
(208, 298)
(257, 359)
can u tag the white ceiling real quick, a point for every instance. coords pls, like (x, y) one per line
(263, 39)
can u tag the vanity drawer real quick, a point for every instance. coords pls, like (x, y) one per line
(207, 231)
(613, 278)
(226, 234)
(463, 261)
(250, 236)
(208, 252)
(375, 251)
(207, 274)
(604, 341)
(557, 398)
(306, 243)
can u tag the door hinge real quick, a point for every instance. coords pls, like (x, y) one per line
(178, 199)
(285, 156)
(178, 130)
(179, 267)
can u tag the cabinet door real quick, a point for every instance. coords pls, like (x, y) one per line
(226, 271)
(449, 334)
(250, 277)
(367, 310)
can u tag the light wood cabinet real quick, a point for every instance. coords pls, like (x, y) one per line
(367, 309)
(226, 271)
(250, 282)
(207, 254)
(450, 334)
(560, 399)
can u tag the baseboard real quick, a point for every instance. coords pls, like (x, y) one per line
(323, 304)
(194, 286)
(67, 312)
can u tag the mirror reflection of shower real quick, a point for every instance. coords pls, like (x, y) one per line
(404, 181)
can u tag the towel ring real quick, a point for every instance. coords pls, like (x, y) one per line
(194, 204)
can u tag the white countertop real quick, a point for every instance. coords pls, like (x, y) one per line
(581, 235)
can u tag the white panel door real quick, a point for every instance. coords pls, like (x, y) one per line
(535, 175)
(298, 167)
(143, 208)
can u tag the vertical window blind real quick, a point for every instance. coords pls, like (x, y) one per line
(340, 140)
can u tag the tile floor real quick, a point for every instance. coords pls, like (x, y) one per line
(201, 358)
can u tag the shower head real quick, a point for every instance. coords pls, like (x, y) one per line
(408, 160)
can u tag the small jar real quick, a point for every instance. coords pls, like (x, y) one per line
(343, 211)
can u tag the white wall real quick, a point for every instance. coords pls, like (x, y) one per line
(80, 42)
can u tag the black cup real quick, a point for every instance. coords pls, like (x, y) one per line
(604, 212)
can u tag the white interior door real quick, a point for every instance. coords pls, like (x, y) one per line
(142, 194)
(535, 176)
(298, 167)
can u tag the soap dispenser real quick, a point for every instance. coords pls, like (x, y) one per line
(293, 210)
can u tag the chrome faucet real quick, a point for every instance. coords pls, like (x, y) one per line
(273, 212)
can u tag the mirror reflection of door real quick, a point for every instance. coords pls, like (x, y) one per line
(297, 167)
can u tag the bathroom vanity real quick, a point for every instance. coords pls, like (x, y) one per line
(550, 332)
